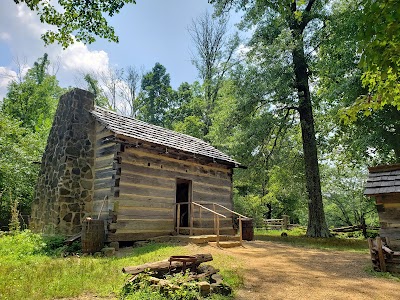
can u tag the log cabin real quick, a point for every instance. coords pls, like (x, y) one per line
(143, 180)
(384, 185)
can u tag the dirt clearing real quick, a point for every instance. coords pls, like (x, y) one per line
(278, 271)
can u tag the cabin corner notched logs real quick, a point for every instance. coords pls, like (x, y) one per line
(95, 154)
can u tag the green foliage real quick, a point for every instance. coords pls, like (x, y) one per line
(73, 276)
(95, 89)
(141, 286)
(252, 206)
(20, 246)
(25, 120)
(156, 98)
(345, 204)
(34, 100)
(55, 246)
(19, 150)
(379, 44)
(84, 20)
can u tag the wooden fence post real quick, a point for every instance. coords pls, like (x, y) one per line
(285, 222)
(382, 263)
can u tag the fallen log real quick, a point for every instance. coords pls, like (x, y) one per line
(165, 265)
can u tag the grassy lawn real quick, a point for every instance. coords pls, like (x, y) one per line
(28, 274)
(297, 238)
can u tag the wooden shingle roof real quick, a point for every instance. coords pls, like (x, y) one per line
(383, 180)
(139, 130)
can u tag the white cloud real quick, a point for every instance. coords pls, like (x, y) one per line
(5, 36)
(20, 34)
(79, 58)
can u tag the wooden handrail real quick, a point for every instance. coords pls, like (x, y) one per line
(210, 210)
(231, 211)
(216, 217)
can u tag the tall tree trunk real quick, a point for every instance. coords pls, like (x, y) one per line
(316, 217)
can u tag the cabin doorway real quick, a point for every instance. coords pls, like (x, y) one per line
(183, 196)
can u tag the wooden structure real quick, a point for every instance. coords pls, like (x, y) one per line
(383, 258)
(142, 180)
(384, 185)
(277, 224)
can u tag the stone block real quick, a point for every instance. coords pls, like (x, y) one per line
(68, 217)
(87, 184)
(115, 245)
(98, 254)
(204, 288)
(108, 251)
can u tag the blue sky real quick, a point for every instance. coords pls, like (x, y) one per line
(150, 31)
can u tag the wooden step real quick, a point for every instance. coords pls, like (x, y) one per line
(195, 239)
(207, 231)
(226, 244)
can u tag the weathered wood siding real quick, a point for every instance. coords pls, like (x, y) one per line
(105, 179)
(388, 207)
(145, 205)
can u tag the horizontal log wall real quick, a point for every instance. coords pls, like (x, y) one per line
(145, 206)
(389, 217)
(106, 153)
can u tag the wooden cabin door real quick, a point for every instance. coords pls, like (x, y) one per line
(183, 195)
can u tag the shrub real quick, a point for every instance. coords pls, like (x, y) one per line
(55, 246)
(21, 244)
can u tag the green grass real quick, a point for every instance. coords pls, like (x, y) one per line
(27, 274)
(297, 238)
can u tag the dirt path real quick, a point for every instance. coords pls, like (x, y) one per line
(277, 271)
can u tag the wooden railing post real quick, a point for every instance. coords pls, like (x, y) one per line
(178, 218)
(215, 220)
(217, 231)
(240, 231)
(201, 220)
(191, 218)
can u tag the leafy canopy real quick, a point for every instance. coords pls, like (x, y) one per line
(76, 20)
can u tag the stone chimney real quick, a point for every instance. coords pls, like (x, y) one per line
(64, 191)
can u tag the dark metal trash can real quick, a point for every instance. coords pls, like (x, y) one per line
(93, 235)
(247, 229)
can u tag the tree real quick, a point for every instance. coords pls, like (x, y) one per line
(369, 137)
(96, 90)
(187, 115)
(111, 81)
(20, 150)
(130, 89)
(213, 57)
(156, 98)
(286, 30)
(266, 142)
(343, 192)
(379, 44)
(34, 100)
(26, 117)
(83, 19)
